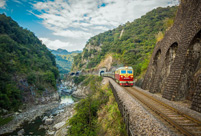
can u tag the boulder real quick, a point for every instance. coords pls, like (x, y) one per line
(50, 133)
(48, 121)
(21, 132)
(4, 111)
(44, 118)
(59, 125)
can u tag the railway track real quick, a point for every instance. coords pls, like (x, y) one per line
(183, 123)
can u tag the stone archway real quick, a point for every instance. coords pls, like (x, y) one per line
(154, 67)
(169, 60)
(192, 66)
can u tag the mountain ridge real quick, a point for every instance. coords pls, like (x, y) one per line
(64, 59)
(130, 44)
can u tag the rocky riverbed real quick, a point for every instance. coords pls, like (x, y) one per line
(46, 119)
(28, 115)
(56, 125)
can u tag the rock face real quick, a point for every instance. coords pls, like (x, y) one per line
(77, 91)
(175, 66)
(81, 92)
(31, 97)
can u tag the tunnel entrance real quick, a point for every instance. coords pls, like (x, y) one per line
(77, 73)
(102, 73)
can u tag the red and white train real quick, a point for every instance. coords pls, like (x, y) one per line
(123, 76)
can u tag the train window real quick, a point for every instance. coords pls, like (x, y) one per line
(129, 71)
(123, 71)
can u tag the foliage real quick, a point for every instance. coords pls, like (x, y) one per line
(134, 45)
(78, 79)
(23, 59)
(86, 121)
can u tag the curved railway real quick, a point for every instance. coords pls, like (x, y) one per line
(183, 123)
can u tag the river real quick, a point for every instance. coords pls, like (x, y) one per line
(34, 127)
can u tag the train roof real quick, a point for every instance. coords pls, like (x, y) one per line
(124, 68)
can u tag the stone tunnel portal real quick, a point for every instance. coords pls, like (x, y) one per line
(101, 71)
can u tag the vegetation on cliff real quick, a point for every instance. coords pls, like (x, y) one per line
(132, 43)
(26, 63)
(97, 114)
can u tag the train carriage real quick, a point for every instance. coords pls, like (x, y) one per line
(124, 76)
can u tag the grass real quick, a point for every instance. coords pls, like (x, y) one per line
(110, 121)
(4, 121)
(159, 36)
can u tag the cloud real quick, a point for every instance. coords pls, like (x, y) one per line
(73, 34)
(2, 4)
(84, 18)
(17, 1)
(55, 44)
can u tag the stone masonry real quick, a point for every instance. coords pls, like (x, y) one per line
(175, 66)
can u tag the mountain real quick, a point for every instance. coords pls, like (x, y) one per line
(64, 59)
(129, 44)
(28, 69)
(60, 52)
(63, 52)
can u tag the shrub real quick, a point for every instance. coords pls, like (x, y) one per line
(78, 79)
(31, 78)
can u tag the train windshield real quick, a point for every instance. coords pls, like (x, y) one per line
(123, 71)
(129, 71)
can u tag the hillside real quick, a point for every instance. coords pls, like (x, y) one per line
(28, 69)
(64, 59)
(129, 44)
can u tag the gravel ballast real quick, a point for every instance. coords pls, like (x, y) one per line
(141, 122)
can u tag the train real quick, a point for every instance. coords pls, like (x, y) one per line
(122, 75)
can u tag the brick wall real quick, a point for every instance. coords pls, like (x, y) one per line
(174, 72)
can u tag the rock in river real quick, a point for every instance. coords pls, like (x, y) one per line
(21, 132)
(59, 125)
(48, 121)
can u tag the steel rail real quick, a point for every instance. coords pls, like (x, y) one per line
(162, 103)
(161, 114)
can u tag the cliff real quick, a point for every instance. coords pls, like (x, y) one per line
(175, 66)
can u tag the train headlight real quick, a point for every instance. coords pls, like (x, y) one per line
(122, 76)
(131, 76)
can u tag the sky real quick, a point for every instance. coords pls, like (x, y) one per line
(68, 24)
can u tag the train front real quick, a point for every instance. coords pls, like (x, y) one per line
(124, 76)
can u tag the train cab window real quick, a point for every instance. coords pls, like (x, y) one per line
(123, 71)
(129, 71)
